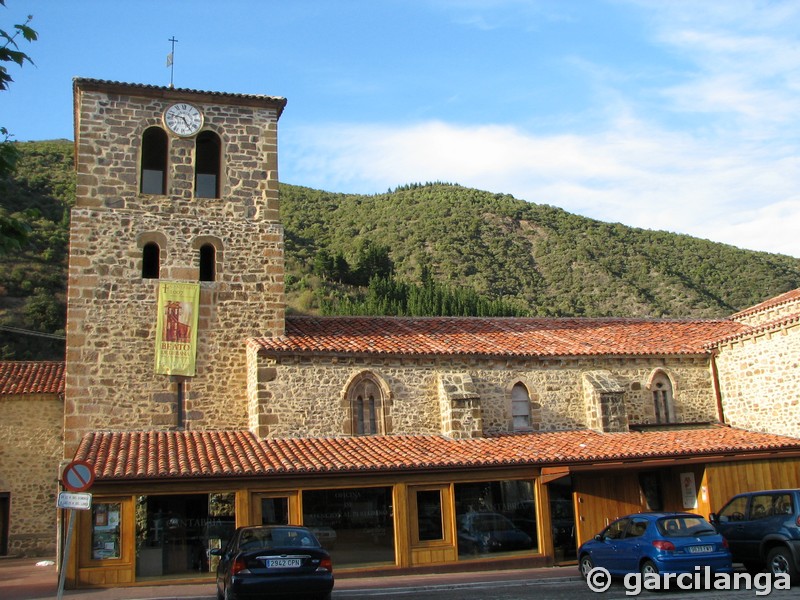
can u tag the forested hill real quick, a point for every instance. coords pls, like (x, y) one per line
(537, 257)
(420, 249)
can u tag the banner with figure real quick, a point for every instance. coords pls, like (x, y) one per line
(176, 327)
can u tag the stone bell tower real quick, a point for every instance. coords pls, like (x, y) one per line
(173, 185)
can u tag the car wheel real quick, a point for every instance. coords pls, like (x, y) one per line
(648, 567)
(586, 565)
(780, 560)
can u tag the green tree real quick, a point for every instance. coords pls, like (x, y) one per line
(13, 229)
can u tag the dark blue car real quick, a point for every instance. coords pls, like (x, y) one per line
(270, 561)
(656, 543)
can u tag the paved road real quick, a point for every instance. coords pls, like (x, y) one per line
(21, 579)
(549, 590)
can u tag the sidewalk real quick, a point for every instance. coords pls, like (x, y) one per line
(22, 579)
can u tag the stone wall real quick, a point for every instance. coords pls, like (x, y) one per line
(759, 381)
(306, 397)
(111, 316)
(30, 452)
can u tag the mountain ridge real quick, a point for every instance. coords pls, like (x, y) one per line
(458, 248)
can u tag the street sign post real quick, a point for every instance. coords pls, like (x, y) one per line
(77, 477)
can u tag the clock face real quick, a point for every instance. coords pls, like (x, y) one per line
(183, 119)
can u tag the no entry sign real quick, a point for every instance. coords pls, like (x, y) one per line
(78, 476)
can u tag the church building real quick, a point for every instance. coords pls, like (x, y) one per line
(407, 444)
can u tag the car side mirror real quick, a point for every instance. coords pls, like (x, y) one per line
(216, 552)
(599, 538)
(713, 518)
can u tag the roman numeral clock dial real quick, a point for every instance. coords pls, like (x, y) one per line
(183, 119)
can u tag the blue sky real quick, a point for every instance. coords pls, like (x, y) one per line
(675, 115)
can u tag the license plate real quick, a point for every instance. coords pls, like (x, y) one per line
(699, 549)
(283, 563)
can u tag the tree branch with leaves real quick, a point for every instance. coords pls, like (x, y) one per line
(13, 229)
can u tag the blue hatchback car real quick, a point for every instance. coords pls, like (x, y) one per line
(656, 543)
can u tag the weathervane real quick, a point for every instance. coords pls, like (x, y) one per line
(171, 60)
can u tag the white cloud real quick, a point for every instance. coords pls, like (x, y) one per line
(634, 174)
(730, 173)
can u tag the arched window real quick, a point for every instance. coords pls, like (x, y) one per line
(208, 160)
(154, 161)
(367, 406)
(151, 259)
(208, 262)
(663, 404)
(520, 408)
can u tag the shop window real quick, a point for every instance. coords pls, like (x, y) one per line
(496, 518)
(275, 510)
(366, 406)
(520, 408)
(208, 160)
(208, 262)
(355, 524)
(429, 515)
(663, 403)
(154, 161)
(151, 258)
(175, 532)
(106, 530)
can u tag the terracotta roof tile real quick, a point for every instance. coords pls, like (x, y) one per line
(769, 326)
(180, 455)
(41, 377)
(779, 300)
(497, 336)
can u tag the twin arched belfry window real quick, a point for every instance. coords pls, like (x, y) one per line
(151, 261)
(155, 161)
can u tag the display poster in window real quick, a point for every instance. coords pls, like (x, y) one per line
(688, 490)
(105, 531)
(176, 328)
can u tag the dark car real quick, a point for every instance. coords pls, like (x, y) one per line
(656, 543)
(763, 530)
(273, 561)
(481, 532)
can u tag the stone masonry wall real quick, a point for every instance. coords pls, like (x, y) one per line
(759, 382)
(306, 398)
(30, 452)
(111, 317)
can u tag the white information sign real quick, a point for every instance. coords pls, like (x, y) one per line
(75, 500)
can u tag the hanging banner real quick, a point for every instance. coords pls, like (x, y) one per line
(176, 328)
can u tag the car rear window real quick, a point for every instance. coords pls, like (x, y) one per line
(253, 539)
(684, 526)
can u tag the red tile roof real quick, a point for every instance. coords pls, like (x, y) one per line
(769, 326)
(781, 299)
(31, 378)
(202, 454)
(496, 336)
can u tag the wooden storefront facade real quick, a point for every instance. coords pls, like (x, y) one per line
(388, 528)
